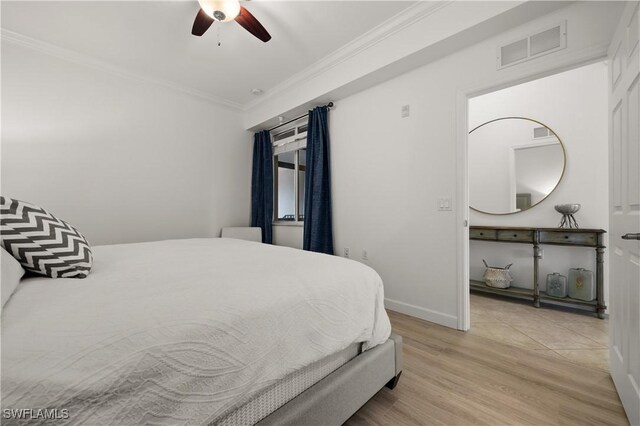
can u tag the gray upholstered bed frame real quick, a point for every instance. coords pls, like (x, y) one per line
(338, 396)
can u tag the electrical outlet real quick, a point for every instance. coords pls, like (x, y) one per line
(365, 255)
(346, 252)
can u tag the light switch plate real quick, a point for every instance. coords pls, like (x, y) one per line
(404, 112)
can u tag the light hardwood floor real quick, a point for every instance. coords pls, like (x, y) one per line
(456, 378)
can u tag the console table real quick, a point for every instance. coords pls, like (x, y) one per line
(537, 236)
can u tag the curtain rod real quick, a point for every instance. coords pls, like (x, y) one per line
(329, 105)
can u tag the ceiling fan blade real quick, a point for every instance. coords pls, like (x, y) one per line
(251, 24)
(202, 23)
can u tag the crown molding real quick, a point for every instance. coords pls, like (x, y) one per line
(398, 22)
(91, 62)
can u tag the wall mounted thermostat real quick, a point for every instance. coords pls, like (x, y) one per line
(444, 204)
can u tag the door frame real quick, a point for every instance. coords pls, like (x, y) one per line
(522, 73)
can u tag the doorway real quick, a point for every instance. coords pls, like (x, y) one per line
(533, 146)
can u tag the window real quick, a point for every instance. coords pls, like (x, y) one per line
(289, 157)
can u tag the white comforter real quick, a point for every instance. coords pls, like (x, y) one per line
(182, 331)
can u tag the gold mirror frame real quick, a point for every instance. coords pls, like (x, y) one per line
(564, 163)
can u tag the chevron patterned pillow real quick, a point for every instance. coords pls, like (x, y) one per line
(41, 242)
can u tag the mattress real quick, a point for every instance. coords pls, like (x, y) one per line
(288, 388)
(181, 332)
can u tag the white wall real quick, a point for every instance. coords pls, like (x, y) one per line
(388, 171)
(121, 160)
(538, 170)
(288, 235)
(574, 105)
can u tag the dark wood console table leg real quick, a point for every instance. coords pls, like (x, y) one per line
(600, 281)
(536, 260)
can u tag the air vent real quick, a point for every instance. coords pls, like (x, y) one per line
(514, 52)
(545, 41)
(541, 132)
(532, 46)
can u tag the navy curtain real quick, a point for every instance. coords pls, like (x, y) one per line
(318, 233)
(262, 185)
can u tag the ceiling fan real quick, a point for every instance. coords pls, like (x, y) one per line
(225, 11)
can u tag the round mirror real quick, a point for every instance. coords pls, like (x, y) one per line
(514, 164)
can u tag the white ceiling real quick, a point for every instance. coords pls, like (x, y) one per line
(154, 38)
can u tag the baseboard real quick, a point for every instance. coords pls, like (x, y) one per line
(422, 313)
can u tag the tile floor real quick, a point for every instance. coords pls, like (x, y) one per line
(579, 338)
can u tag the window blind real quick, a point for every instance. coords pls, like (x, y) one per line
(290, 139)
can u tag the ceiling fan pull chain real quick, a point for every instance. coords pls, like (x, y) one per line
(218, 34)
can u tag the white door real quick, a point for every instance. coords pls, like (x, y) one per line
(624, 214)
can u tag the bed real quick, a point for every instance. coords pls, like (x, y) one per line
(199, 331)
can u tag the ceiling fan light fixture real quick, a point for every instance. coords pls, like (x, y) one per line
(221, 10)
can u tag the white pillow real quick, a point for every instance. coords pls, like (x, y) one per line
(11, 273)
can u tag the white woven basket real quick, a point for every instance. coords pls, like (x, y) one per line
(497, 277)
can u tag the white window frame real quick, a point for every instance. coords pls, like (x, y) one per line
(294, 143)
